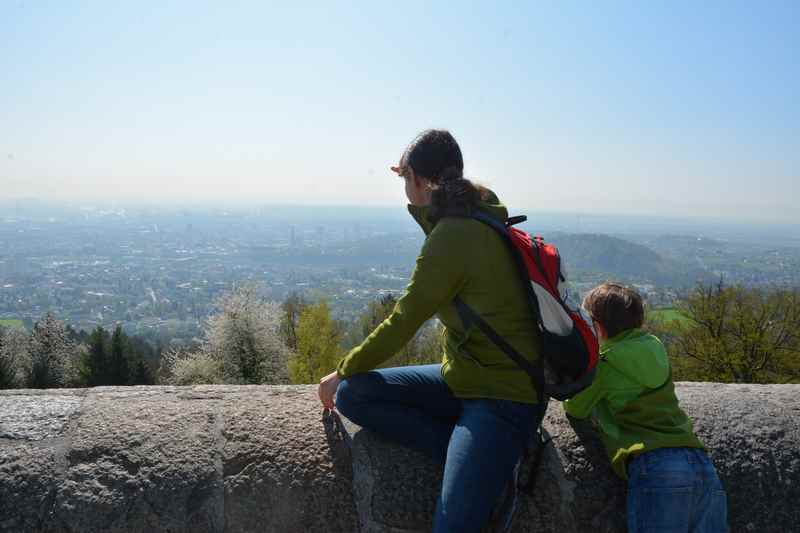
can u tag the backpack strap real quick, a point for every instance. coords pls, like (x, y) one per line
(535, 371)
(537, 453)
(522, 271)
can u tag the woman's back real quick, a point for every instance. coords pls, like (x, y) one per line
(473, 366)
(466, 258)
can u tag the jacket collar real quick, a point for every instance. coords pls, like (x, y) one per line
(608, 344)
(490, 205)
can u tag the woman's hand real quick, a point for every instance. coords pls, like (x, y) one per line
(327, 389)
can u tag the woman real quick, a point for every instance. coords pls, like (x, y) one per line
(475, 411)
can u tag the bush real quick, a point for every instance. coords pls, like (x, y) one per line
(243, 344)
(197, 368)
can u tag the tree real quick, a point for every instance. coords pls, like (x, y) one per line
(15, 356)
(318, 344)
(75, 366)
(49, 350)
(96, 365)
(142, 375)
(141, 356)
(118, 372)
(424, 348)
(737, 334)
(242, 344)
(8, 378)
(245, 336)
(377, 311)
(291, 307)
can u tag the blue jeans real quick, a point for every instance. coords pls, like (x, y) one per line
(675, 490)
(479, 441)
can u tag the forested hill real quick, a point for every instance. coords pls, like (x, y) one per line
(585, 255)
(595, 254)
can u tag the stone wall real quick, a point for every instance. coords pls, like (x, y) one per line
(258, 458)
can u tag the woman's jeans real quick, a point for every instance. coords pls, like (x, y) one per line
(478, 441)
(675, 490)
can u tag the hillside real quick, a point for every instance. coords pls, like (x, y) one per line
(585, 256)
(602, 255)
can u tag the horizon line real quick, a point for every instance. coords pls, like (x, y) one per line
(250, 204)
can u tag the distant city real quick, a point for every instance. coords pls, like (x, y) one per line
(157, 271)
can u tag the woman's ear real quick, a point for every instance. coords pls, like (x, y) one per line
(420, 182)
(416, 180)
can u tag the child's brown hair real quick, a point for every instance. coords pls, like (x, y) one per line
(616, 307)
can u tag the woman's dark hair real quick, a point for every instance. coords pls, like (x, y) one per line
(436, 156)
(616, 307)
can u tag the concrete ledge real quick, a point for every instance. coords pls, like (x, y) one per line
(260, 458)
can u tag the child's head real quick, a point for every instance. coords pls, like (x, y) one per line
(615, 307)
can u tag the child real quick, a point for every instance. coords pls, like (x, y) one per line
(672, 485)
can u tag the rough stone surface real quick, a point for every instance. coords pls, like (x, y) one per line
(278, 446)
(752, 433)
(37, 415)
(172, 459)
(258, 458)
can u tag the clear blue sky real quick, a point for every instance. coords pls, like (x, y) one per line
(671, 108)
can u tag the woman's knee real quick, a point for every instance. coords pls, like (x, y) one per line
(350, 393)
(343, 395)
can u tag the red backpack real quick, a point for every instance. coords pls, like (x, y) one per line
(569, 355)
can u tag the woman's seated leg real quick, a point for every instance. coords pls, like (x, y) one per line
(409, 405)
(487, 441)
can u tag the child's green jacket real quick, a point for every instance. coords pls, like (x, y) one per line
(633, 400)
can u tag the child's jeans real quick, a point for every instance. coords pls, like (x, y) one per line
(479, 441)
(675, 490)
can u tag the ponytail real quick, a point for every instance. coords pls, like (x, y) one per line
(455, 194)
(435, 155)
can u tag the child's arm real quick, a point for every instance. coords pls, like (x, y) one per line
(582, 404)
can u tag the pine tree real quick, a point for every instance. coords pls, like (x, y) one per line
(118, 373)
(96, 365)
(141, 373)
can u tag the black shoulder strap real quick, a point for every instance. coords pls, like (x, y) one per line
(522, 270)
(535, 371)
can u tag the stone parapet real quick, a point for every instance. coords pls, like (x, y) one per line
(266, 458)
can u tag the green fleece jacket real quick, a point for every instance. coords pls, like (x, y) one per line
(463, 257)
(632, 399)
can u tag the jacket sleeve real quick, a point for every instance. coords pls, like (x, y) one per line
(438, 277)
(582, 404)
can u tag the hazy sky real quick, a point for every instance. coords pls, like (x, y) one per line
(670, 108)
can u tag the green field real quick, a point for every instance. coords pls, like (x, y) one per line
(12, 323)
(667, 314)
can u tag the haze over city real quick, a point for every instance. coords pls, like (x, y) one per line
(677, 110)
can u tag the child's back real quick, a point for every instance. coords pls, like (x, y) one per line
(634, 400)
(672, 485)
